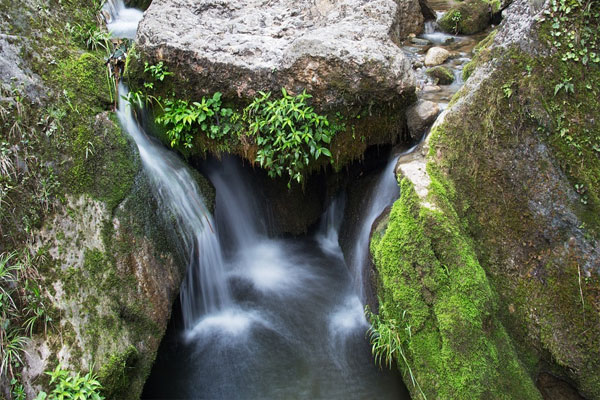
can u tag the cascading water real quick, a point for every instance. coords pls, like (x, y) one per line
(261, 317)
(295, 328)
(178, 194)
(121, 21)
(383, 195)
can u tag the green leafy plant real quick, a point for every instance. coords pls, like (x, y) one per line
(158, 71)
(288, 132)
(575, 29)
(68, 386)
(566, 85)
(507, 89)
(181, 117)
(90, 36)
(456, 17)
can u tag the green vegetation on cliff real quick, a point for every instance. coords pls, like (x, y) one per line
(523, 154)
(433, 287)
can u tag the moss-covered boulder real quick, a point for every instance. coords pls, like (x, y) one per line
(468, 17)
(441, 75)
(513, 167)
(434, 291)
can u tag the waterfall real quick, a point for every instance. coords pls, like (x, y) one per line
(329, 227)
(383, 194)
(204, 288)
(263, 317)
(121, 21)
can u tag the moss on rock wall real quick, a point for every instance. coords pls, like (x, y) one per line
(432, 285)
(78, 204)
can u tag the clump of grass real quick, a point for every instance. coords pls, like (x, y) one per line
(386, 341)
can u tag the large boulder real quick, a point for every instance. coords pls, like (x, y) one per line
(501, 213)
(342, 52)
(468, 18)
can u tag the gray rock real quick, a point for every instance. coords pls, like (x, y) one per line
(341, 52)
(409, 20)
(420, 42)
(420, 116)
(436, 56)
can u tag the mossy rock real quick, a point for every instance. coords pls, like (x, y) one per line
(433, 286)
(467, 18)
(441, 75)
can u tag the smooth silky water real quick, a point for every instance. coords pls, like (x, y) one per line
(296, 326)
(257, 317)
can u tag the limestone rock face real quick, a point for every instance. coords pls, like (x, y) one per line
(342, 52)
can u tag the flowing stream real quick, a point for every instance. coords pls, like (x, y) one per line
(258, 317)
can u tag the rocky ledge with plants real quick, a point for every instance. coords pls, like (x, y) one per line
(343, 54)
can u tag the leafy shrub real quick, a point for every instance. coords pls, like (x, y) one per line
(69, 387)
(180, 117)
(288, 132)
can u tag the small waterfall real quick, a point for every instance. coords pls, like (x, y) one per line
(204, 289)
(383, 194)
(121, 21)
(239, 218)
(329, 227)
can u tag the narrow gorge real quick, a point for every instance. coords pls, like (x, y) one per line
(328, 199)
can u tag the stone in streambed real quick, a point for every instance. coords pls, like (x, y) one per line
(436, 56)
(442, 75)
(420, 116)
(468, 17)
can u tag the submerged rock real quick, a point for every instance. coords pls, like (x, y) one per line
(441, 75)
(343, 53)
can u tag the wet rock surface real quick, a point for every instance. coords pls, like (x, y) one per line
(420, 116)
(343, 53)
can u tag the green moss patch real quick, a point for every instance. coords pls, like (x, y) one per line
(432, 282)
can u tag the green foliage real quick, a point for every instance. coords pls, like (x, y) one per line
(90, 36)
(158, 72)
(22, 309)
(72, 387)
(574, 29)
(387, 342)
(285, 133)
(566, 85)
(288, 132)
(181, 117)
(456, 17)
